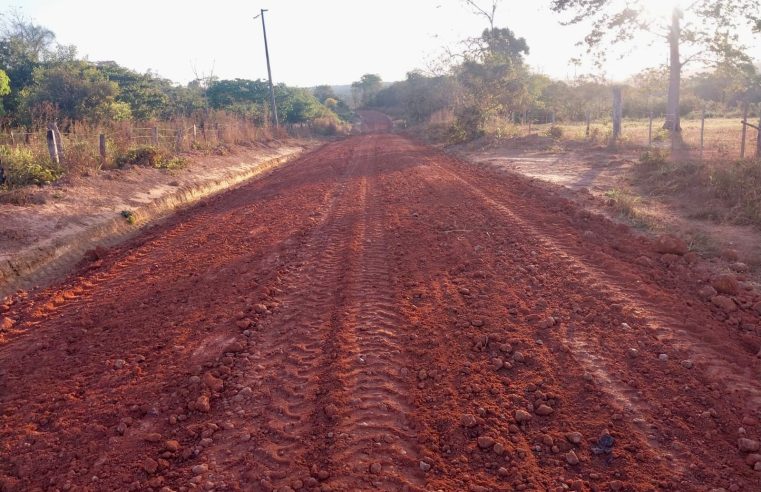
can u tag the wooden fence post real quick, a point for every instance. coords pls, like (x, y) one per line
(745, 130)
(102, 147)
(617, 113)
(529, 124)
(52, 147)
(650, 131)
(155, 136)
(589, 123)
(702, 131)
(13, 139)
(179, 138)
(195, 132)
(58, 140)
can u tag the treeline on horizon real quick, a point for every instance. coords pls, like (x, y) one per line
(494, 81)
(42, 81)
(488, 78)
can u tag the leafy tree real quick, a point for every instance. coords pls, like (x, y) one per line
(147, 95)
(324, 92)
(23, 47)
(493, 79)
(711, 30)
(77, 90)
(5, 88)
(366, 87)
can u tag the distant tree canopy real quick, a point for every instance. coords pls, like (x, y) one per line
(366, 87)
(41, 81)
(711, 33)
(5, 88)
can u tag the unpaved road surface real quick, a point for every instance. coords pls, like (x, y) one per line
(378, 316)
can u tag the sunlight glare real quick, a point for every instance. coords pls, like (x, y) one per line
(659, 9)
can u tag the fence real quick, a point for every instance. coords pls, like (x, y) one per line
(84, 146)
(703, 137)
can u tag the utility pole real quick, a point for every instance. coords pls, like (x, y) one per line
(269, 70)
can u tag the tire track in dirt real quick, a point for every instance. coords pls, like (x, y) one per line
(375, 436)
(601, 356)
(521, 466)
(373, 316)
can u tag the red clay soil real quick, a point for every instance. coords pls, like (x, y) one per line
(377, 315)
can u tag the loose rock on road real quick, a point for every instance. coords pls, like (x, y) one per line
(377, 315)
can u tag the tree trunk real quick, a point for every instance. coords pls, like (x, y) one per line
(618, 104)
(673, 123)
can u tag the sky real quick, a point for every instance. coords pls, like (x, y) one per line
(311, 42)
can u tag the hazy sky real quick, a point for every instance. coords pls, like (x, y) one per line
(311, 42)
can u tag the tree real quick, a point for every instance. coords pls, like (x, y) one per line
(23, 47)
(77, 90)
(5, 88)
(493, 79)
(324, 92)
(366, 87)
(146, 94)
(712, 29)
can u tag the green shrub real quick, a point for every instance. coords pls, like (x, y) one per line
(653, 158)
(739, 184)
(24, 166)
(150, 156)
(129, 216)
(555, 132)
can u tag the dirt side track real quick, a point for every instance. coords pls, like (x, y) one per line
(379, 316)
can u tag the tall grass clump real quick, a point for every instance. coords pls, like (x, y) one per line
(27, 166)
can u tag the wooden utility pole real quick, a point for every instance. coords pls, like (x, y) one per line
(273, 106)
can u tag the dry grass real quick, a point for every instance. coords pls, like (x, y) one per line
(26, 158)
(722, 138)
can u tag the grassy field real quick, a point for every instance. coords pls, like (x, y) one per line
(722, 138)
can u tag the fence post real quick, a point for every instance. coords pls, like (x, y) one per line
(13, 139)
(52, 147)
(589, 123)
(530, 120)
(155, 136)
(702, 131)
(650, 131)
(617, 113)
(745, 130)
(758, 140)
(102, 147)
(58, 140)
(179, 138)
(195, 132)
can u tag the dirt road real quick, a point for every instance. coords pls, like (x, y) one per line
(379, 316)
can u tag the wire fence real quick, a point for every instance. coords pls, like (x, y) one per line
(82, 146)
(707, 138)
